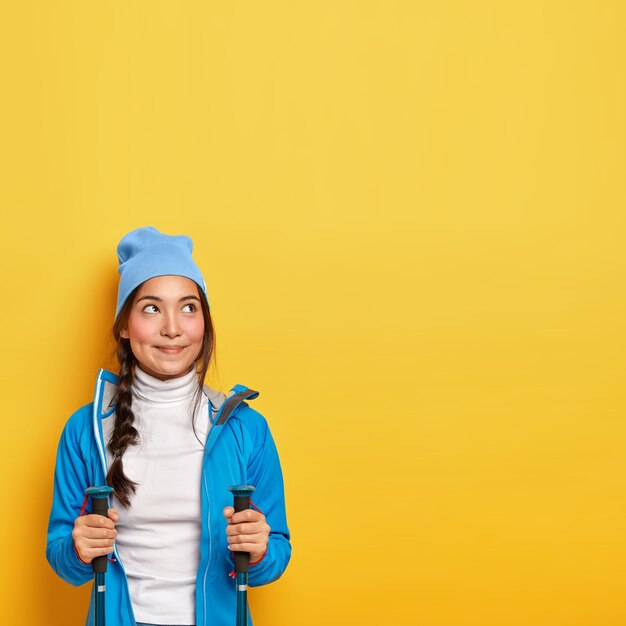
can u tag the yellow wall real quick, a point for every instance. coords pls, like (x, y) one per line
(411, 219)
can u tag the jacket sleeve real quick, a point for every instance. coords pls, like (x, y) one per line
(264, 473)
(70, 481)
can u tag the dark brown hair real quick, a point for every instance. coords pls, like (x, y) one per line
(124, 433)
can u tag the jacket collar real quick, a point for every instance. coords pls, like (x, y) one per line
(106, 392)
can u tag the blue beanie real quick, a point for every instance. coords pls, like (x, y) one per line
(145, 253)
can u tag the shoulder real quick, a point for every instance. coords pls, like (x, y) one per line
(81, 421)
(253, 422)
(79, 424)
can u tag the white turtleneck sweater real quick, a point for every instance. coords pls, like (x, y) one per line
(159, 535)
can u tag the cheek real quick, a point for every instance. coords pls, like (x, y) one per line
(139, 332)
(195, 331)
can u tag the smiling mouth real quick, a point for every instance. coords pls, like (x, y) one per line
(170, 349)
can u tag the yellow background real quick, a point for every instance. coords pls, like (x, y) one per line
(410, 216)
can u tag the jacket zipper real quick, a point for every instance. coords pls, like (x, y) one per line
(213, 425)
(206, 570)
(100, 445)
(208, 518)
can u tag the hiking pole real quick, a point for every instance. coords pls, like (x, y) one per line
(99, 506)
(241, 495)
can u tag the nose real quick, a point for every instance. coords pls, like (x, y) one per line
(170, 327)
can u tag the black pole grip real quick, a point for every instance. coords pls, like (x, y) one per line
(242, 559)
(99, 506)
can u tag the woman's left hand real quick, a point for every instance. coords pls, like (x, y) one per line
(247, 532)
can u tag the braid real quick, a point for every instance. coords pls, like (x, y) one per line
(124, 433)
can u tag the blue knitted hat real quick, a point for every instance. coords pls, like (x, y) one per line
(145, 253)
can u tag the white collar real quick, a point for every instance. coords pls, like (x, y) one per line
(157, 391)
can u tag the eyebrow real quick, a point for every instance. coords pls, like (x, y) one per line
(161, 300)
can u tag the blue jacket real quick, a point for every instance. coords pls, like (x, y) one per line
(239, 450)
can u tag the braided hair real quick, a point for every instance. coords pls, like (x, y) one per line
(124, 433)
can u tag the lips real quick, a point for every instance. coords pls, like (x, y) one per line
(170, 349)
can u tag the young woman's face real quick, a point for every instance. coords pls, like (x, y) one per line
(166, 326)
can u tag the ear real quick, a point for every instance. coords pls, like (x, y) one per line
(124, 333)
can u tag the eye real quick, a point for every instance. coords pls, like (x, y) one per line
(190, 308)
(150, 308)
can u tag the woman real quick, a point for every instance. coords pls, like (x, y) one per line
(170, 447)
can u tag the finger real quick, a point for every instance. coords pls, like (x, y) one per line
(88, 553)
(101, 533)
(96, 543)
(114, 515)
(244, 547)
(247, 528)
(94, 533)
(92, 553)
(255, 539)
(248, 515)
(228, 512)
(96, 521)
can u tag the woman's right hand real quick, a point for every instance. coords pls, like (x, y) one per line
(94, 535)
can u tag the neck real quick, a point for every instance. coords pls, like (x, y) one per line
(151, 389)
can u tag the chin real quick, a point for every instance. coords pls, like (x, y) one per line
(170, 371)
(176, 371)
